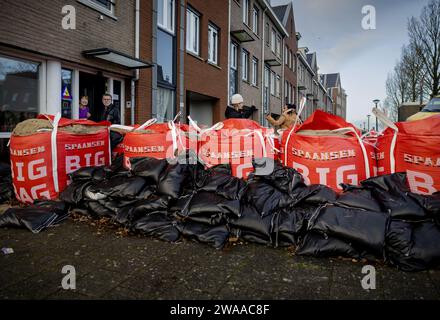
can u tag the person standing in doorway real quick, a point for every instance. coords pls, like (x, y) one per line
(84, 111)
(111, 113)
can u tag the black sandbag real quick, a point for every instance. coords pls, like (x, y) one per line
(120, 186)
(358, 197)
(172, 180)
(218, 179)
(216, 236)
(321, 245)
(89, 173)
(253, 227)
(266, 198)
(431, 204)
(283, 178)
(288, 224)
(36, 217)
(74, 192)
(391, 191)
(413, 246)
(98, 210)
(315, 194)
(365, 229)
(149, 168)
(155, 203)
(158, 225)
(115, 139)
(206, 207)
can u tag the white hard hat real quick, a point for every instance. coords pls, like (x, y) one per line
(236, 98)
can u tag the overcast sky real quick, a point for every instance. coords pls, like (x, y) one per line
(333, 29)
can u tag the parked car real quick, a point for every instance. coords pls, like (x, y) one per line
(432, 108)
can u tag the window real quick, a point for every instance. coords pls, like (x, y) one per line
(212, 44)
(234, 49)
(165, 58)
(66, 93)
(106, 7)
(286, 55)
(277, 93)
(290, 59)
(266, 34)
(255, 20)
(245, 65)
(278, 47)
(165, 15)
(19, 92)
(254, 71)
(192, 32)
(245, 7)
(272, 41)
(163, 109)
(272, 83)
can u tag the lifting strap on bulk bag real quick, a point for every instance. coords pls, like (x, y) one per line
(383, 118)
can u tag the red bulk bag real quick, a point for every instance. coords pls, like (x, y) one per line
(163, 140)
(412, 147)
(327, 150)
(41, 162)
(236, 142)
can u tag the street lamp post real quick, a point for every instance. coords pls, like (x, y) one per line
(376, 101)
(368, 116)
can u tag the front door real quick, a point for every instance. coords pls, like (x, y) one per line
(93, 86)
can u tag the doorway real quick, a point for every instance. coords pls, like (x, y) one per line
(93, 86)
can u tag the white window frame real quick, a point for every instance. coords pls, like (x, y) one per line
(286, 55)
(245, 7)
(255, 20)
(165, 24)
(100, 8)
(244, 65)
(191, 36)
(254, 71)
(213, 44)
(234, 52)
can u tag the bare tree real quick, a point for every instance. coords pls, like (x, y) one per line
(397, 86)
(391, 109)
(424, 34)
(414, 72)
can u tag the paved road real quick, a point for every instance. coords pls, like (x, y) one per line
(111, 266)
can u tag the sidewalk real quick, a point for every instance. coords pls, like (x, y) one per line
(111, 266)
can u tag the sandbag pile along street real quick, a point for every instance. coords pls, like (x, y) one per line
(329, 191)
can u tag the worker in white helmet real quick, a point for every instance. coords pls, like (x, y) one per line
(238, 110)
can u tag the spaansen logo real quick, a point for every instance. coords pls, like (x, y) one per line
(324, 156)
(84, 145)
(27, 152)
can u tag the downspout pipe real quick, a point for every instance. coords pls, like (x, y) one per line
(136, 78)
(263, 77)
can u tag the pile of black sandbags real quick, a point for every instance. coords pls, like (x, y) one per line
(378, 220)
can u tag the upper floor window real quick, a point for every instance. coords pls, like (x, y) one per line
(192, 32)
(272, 82)
(273, 37)
(254, 71)
(266, 34)
(278, 46)
(106, 7)
(245, 65)
(212, 44)
(286, 56)
(234, 50)
(245, 7)
(165, 15)
(278, 86)
(255, 20)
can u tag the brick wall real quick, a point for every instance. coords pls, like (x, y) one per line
(36, 26)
